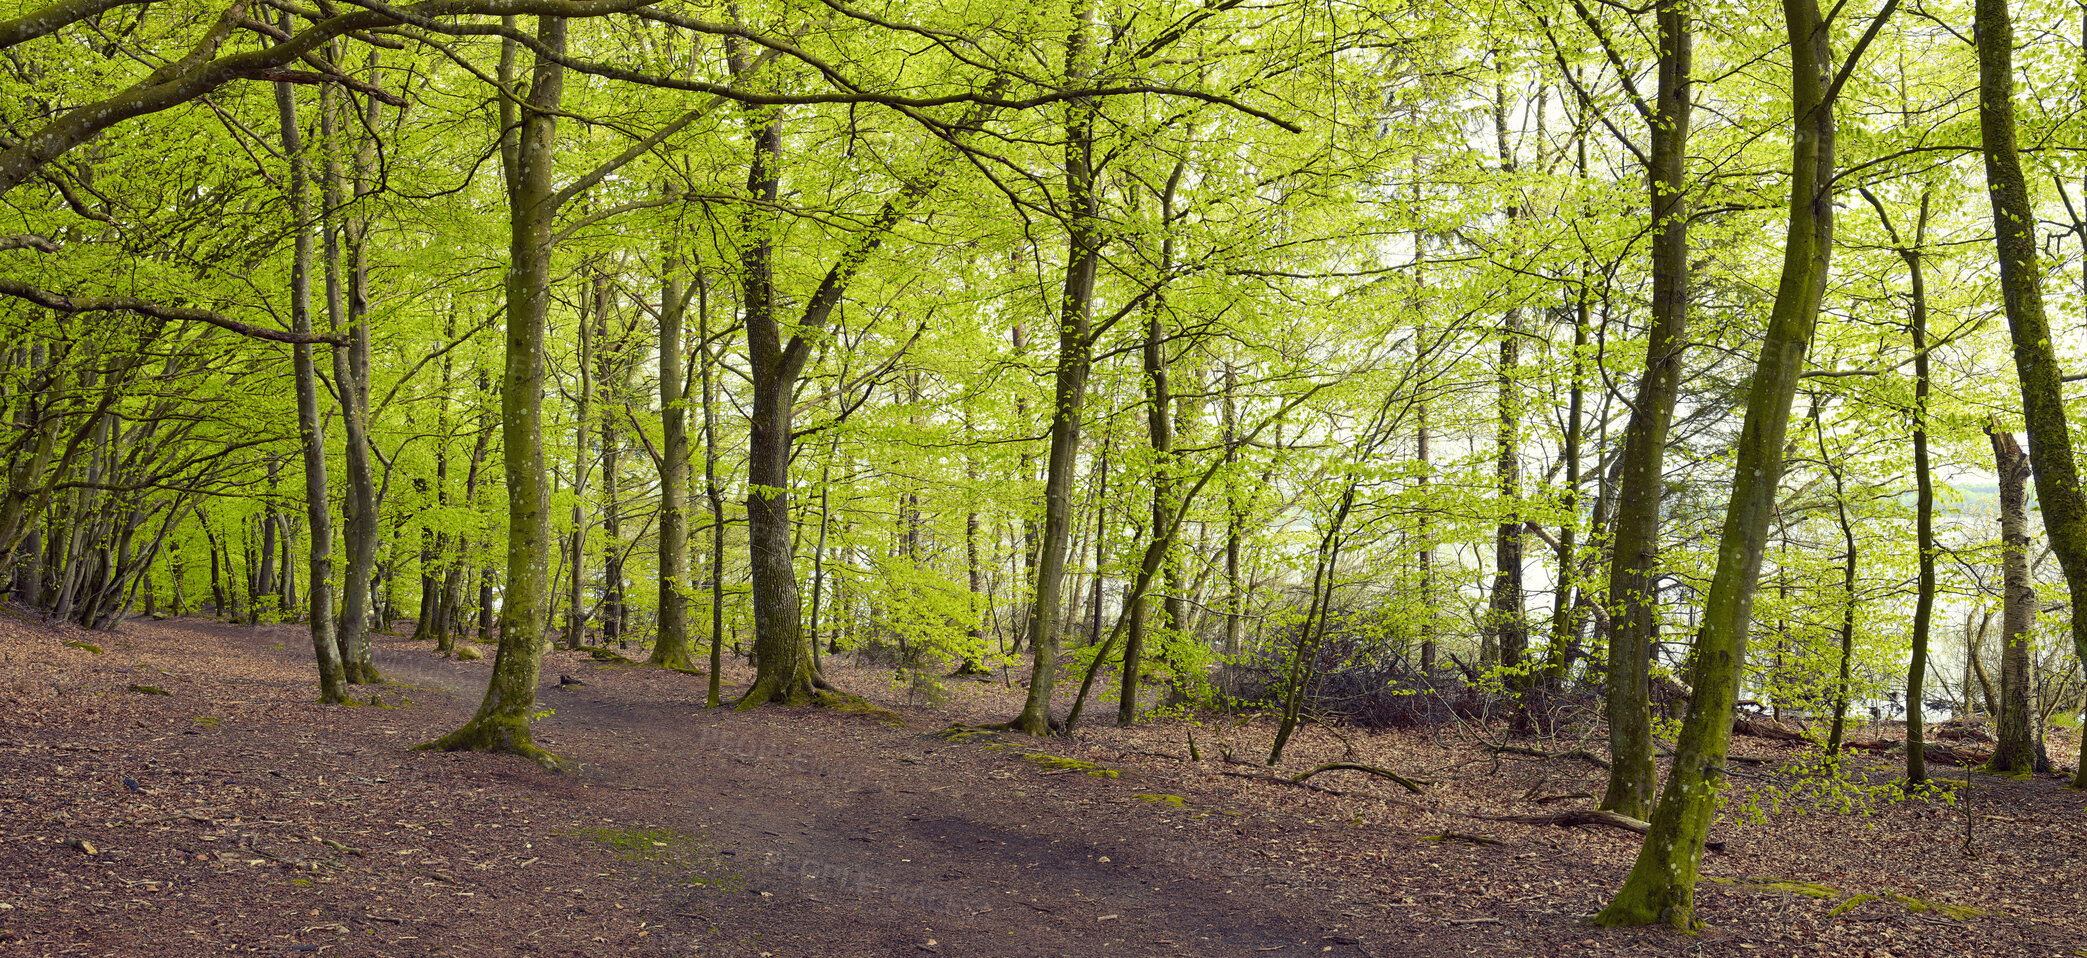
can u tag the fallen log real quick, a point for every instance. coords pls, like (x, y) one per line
(1768, 729)
(1411, 785)
(1574, 818)
(1279, 780)
(1953, 755)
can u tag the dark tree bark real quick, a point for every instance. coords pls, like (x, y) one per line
(311, 424)
(2058, 493)
(1635, 528)
(1924, 489)
(1661, 885)
(576, 540)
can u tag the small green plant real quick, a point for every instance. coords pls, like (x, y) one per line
(86, 646)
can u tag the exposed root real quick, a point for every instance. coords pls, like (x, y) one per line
(491, 733)
(677, 660)
(1575, 818)
(1411, 785)
(814, 692)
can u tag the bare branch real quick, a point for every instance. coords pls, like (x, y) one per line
(131, 304)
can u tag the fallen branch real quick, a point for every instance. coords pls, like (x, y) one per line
(192, 814)
(1953, 755)
(1742, 725)
(1578, 753)
(1462, 837)
(1575, 818)
(1874, 745)
(1276, 779)
(1411, 785)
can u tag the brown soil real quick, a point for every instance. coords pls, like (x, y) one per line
(233, 815)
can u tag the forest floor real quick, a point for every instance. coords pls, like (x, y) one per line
(234, 815)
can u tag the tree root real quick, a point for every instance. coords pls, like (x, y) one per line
(1578, 753)
(815, 692)
(1279, 780)
(678, 660)
(492, 733)
(1575, 818)
(1466, 838)
(1026, 724)
(1411, 785)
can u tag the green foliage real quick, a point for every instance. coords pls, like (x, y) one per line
(1816, 782)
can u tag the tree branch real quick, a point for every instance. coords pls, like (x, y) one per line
(131, 304)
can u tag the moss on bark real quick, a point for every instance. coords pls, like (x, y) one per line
(504, 734)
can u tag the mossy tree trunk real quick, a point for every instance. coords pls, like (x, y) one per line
(783, 668)
(1159, 428)
(311, 420)
(502, 721)
(2058, 493)
(671, 649)
(1662, 882)
(351, 373)
(1634, 562)
(1069, 380)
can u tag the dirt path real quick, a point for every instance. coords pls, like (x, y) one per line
(232, 815)
(831, 834)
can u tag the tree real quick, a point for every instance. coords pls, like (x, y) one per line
(311, 420)
(2058, 491)
(2019, 750)
(1661, 885)
(1634, 530)
(502, 720)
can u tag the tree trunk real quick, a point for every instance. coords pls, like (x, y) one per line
(2016, 753)
(1661, 886)
(1841, 691)
(714, 492)
(2058, 493)
(502, 721)
(1634, 562)
(351, 367)
(311, 423)
(1304, 659)
(671, 648)
(1069, 383)
(1924, 495)
(576, 542)
(783, 665)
